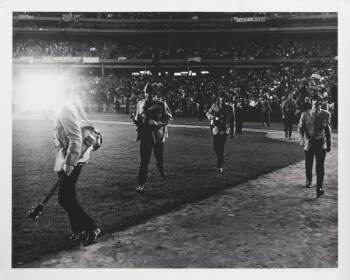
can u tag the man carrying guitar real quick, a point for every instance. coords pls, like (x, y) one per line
(152, 117)
(73, 144)
(221, 117)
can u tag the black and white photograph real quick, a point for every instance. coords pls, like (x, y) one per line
(175, 138)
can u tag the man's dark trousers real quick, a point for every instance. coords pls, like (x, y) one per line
(146, 145)
(316, 151)
(288, 124)
(219, 148)
(79, 220)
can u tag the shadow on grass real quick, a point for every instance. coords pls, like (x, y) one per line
(106, 189)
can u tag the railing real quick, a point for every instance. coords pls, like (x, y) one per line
(225, 18)
(90, 31)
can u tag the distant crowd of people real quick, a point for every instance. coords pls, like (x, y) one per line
(152, 15)
(257, 93)
(311, 48)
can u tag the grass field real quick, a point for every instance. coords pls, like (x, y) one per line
(106, 186)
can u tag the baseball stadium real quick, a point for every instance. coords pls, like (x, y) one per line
(210, 195)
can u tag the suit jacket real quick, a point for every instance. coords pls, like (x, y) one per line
(289, 107)
(68, 121)
(224, 114)
(315, 127)
(157, 111)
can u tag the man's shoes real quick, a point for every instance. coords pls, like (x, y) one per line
(140, 189)
(92, 236)
(319, 191)
(220, 170)
(308, 185)
(77, 236)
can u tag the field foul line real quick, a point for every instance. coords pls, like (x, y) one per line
(181, 126)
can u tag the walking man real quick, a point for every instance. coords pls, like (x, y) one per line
(69, 122)
(152, 117)
(265, 111)
(221, 117)
(289, 107)
(315, 136)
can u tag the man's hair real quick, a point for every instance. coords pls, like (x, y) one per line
(317, 96)
(150, 89)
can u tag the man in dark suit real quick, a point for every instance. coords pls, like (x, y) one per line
(221, 116)
(315, 136)
(265, 111)
(152, 117)
(289, 107)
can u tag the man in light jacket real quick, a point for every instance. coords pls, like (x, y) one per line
(315, 136)
(69, 120)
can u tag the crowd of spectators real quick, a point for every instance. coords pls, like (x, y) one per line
(170, 20)
(191, 96)
(23, 47)
(165, 15)
(284, 48)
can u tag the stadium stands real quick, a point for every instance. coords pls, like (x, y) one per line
(247, 67)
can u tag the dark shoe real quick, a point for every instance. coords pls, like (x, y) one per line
(92, 236)
(220, 170)
(308, 185)
(319, 191)
(140, 189)
(77, 236)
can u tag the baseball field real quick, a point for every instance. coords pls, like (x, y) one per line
(106, 187)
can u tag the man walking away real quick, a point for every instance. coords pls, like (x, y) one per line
(289, 107)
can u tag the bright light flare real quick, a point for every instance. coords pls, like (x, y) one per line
(38, 92)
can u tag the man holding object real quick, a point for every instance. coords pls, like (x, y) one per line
(221, 117)
(315, 135)
(152, 117)
(69, 122)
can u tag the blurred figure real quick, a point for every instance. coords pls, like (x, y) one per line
(325, 104)
(306, 105)
(69, 122)
(289, 107)
(315, 136)
(334, 101)
(239, 115)
(265, 111)
(221, 117)
(152, 117)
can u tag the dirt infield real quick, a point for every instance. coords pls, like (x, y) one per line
(271, 221)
